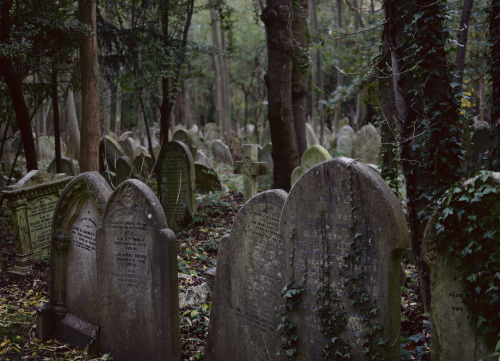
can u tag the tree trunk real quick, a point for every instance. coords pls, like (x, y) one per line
(220, 108)
(73, 128)
(14, 84)
(300, 69)
(340, 76)
(463, 33)
(277, 17)
(118, 111)
(89, 73)
(55, 111)
(226, 100)
(494, 38)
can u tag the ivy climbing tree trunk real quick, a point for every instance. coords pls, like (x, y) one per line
(300, 69)
(427, 111)
(89, 73)
(277, 17)
(463, 33)
(494, 39)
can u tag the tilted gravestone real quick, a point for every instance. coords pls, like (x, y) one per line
(124, 169)
(206, 179)
(250, 167)
(186, 137)
(366, 145)
(247, 290)
(345, 138)
(454, 337)
(312, 156)
(109, 152)
(32, 201)
(143, 165)
(66, 167)
(177, 184)
(221, 152)
(344, 232)
(73, 277)
(138, 286)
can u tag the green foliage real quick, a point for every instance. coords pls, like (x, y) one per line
(467, 228)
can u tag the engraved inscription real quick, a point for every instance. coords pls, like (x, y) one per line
(175, 185)
(40, 212)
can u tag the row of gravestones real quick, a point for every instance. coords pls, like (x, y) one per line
(337, 236)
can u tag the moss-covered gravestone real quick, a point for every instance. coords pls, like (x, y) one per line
(366, 145)
(312, 156)
(66, 167)
(109, 152)
(124, 169)
(221, 152)
(247, 290)
(73, 278)
(32, 201)
(345, 138)
(344, 232)
(188, 138)
(250, 167)
(459, 288)
(177, 184)
(207, 179)
(137, 270)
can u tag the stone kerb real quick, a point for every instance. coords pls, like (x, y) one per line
(248, 283)
(453, 336)
(32, 201)
(73, 278)
(344, 230)
(177, 184)
(138, 285)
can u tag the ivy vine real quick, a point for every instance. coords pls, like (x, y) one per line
(468, 229)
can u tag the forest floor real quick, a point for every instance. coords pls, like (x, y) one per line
(197, 252)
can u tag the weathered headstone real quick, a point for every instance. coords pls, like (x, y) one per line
(47, 148)
(109, 152)
(221, 152)
(66, 165)
(128, 146)
(453, 335)
(185, 136)
(344, 231)
(124, 169)
(366, 145)
(211, 132)
(73, 281)
(32, 201)
(177, 185)
(250, 168)
(138, 286)
(312, 156)
(143, 165)
(247, 290)
(345, 138)
(109, 177)
(206, 179)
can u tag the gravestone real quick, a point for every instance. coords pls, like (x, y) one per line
(247, 291)
(128, 146)
(177, 185)
(124, 169)
(366, 145)
(250, 168)
(221, 152)
(339, 208)
(185, 136)
(109, 152)
(310, 158)
(453, 335)
(46, 147)
(479, 145)
(32, 201)
(206, 179)
(345, 138)
(73, 277)
(143, 165)
(211, 132)
(66, 165)
(137, 269)
(109, 177)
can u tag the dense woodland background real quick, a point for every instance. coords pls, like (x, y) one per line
(424, 72)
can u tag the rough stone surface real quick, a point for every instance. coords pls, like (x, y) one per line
(124, 169)
(32, 201)
(250, 168)
(47, 148)
(318, 223)
(366, 146)
(109, 152)
(73, 278)
(188, 138)
(247, 291)
(221, 152)
(138, 285)
(345, 138)
(312, 156)
(453, 337)
(207, 179)
(66, 165)
(177, 186)
(311, 137)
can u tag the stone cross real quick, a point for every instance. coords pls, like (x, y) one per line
(250, 168)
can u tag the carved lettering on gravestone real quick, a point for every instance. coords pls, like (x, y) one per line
(318, 226)
(40, 214)
(137, 267)
(248, 284)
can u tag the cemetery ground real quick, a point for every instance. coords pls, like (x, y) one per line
(197, 252)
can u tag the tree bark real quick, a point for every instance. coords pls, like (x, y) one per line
(494, 37)
(73, 128)
(340, 76)
(277, 17)
(55, 111)
(14, 84)
(463, 33)
(89, 72)
(300, 69)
